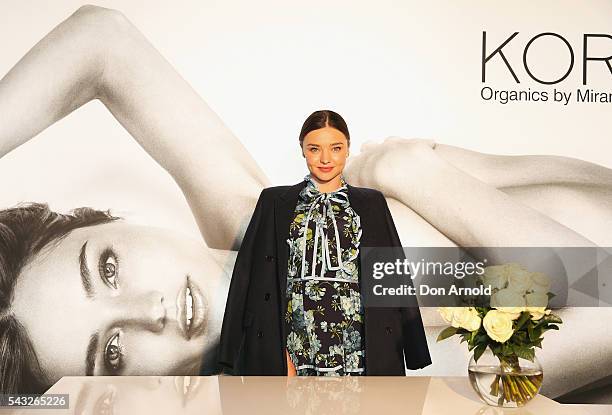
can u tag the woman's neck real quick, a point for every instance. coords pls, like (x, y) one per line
(328, 186)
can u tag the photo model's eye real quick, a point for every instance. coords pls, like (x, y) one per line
(113, 353)
(109, 268)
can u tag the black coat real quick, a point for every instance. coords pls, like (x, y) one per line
(253, 334)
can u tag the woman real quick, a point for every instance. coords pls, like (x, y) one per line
(92, 317)
(324, 221)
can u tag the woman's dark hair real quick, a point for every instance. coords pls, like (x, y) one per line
(321, 119)
(24, 231)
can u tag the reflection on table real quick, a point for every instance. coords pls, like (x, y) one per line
(280, 395)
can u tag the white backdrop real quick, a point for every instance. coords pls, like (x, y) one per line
(402, 68)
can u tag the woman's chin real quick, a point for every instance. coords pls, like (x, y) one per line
(323, 177)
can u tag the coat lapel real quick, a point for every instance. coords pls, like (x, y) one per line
(359, 202)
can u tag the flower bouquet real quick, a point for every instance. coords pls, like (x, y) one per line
(511, 327)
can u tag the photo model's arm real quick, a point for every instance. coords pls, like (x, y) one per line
(460, 185)
(468, 210)
(98, 54)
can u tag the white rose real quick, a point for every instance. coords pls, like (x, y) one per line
(495, 276)
(541, 282)
(536, 304)
(508, 301)
(536, 299)
(467, 318)
(498, 325)
(519, 279)
(536, 312)
(447, 313)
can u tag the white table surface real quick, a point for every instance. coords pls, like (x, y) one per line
(282, 395)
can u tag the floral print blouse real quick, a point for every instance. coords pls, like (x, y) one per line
(324, 313)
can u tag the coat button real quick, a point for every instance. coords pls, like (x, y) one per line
(267, 297)
(389, 330)
(269, 258)
(260, 334)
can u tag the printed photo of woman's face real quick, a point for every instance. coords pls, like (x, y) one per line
(118, 299)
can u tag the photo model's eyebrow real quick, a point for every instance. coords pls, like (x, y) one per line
(85, 273)
(90, 357)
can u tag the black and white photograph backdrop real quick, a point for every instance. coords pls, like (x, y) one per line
(136, 137)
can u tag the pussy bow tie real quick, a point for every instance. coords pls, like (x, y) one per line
(323, 204)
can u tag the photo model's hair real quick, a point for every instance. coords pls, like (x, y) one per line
(24, 231)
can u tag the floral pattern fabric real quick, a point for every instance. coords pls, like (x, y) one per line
(324, 313)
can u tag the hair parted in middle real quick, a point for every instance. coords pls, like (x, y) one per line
(322, 119)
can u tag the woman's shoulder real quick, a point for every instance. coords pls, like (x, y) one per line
(366, 192)
(277, 191)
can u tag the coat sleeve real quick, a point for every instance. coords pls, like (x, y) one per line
(231, 330)
(416, 352)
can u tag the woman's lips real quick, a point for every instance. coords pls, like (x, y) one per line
(190, 309)
(326, 169)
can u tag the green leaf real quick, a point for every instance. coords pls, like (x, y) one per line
(481, 338)
(525, 352)
(519, 337)
(507, 349)
(446, 333)
(551, 318)
(479, 351)
(496, 348)
(535, 332)
(525, 316)
(552, 326)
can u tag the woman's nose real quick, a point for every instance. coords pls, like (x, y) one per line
(324, 157)
(144, 310)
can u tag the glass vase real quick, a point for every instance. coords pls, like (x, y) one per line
(507, 382)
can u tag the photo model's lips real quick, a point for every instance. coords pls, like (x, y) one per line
(326, 169)
(190, 309)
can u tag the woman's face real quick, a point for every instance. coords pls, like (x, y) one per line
(326, 151)
(116, 299)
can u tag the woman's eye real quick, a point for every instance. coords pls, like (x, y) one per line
(108, 268)
(113, 353)
(313, 150)
(336, 149)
